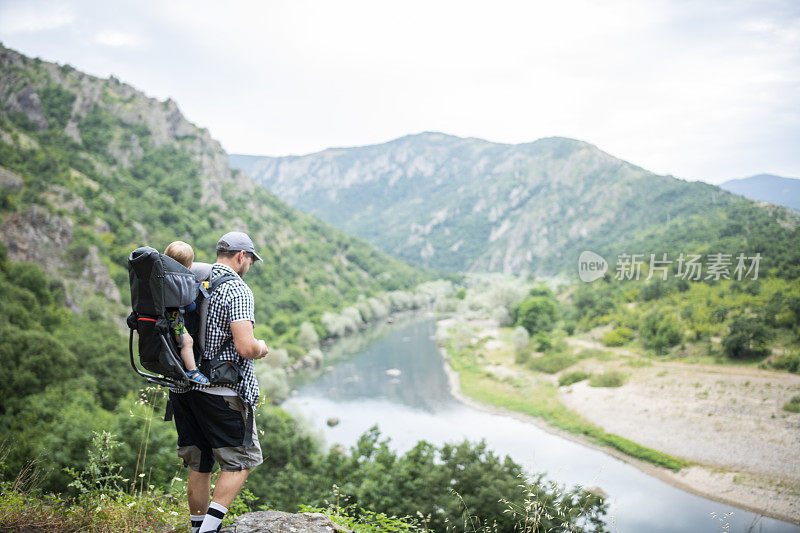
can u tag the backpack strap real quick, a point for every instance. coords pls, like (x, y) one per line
(206, 362)
(216, 282)
(213, 285)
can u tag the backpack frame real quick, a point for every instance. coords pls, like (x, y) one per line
(161, 286)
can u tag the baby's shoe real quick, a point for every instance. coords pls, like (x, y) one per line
(195, 376)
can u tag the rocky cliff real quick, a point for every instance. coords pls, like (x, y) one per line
(91, 168)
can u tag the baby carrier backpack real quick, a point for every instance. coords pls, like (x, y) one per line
(160, 287)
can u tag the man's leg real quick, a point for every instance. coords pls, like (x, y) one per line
(228, 486)
(198, 492)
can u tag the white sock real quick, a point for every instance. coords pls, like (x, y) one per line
(213, 517)
(196, 519)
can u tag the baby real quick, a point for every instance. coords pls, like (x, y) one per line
(183, 254)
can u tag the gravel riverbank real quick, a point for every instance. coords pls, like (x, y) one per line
(719, 417)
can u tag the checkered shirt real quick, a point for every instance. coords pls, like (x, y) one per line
(232, 301)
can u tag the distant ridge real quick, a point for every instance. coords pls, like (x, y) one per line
(767, 188)
(468, 204)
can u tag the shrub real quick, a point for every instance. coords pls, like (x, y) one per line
(790, 362)
(793, 405)
(572, 377)
(660, 332)
(617, 337)
(543, 342)
(307, 338)
(536, 313)
(608, 379)
(520, 338)
(521, 357)
(553, 362)
(501, 316)
(747, 338)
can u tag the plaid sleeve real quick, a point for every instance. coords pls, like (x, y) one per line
(241, 305)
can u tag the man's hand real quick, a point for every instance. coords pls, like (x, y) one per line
(264, 350)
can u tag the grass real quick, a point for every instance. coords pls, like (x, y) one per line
(100, 506)
(32, 511)
(611, 378)
(572, 377)
(553, 362)
(639, 363)
(359, 520)
(538, 398)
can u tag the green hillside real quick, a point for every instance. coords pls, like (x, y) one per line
(92, 168)
(473, 205)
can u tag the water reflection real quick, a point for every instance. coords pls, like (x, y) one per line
(359, 375)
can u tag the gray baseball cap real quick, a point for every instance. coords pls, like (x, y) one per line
(234, 241)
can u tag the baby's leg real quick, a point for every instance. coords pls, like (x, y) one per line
(187, 353)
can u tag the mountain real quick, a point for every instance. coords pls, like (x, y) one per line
(92, 168)
(767, 188)
(474, 205)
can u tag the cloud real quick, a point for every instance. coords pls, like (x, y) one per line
(697, 89)
(117, 38)
(34, 16)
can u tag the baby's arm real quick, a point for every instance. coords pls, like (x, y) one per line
(187, 353)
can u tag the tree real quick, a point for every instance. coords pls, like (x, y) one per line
(536, 314)
(747, 337)
(660, 331)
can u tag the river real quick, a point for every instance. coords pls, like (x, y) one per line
(417, 405)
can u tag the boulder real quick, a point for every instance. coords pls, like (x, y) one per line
(281, 522)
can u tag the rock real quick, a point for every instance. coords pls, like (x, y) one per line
(333, 421)
(9, 180)
(281, 522)
(33, 235)
(40, 237)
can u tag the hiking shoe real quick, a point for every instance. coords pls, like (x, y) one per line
(195, 376)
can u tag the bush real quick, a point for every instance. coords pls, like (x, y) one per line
(790, 362)
(553, 362)
(543, 342)
(793, 405)
(660, 332)
(747, 338)
(617, 337)
(535, 314)
(572, 377)
(520, 338)
(608, 379)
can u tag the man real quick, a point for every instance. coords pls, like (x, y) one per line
(216, 422)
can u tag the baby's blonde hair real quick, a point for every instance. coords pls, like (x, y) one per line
(180, 252)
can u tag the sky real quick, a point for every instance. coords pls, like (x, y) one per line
(697, 89)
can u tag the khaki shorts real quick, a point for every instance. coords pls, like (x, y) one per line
(215, 428)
